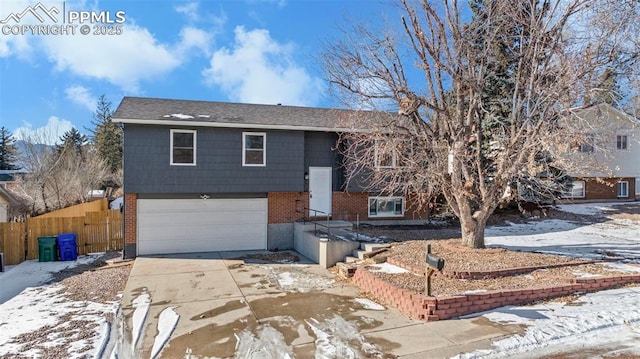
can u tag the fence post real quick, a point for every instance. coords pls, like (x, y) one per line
(108, 236)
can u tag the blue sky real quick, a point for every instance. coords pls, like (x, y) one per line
(256, 51)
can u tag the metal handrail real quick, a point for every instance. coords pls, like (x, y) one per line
(305, 210)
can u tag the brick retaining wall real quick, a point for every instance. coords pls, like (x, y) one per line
(421, 307)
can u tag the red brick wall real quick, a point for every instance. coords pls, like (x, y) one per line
(130, 217)
(346, 206)
(606, 189)
(282, 206)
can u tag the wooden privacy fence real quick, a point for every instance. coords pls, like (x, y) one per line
(78, 210)
(12, 241)
(95, 232)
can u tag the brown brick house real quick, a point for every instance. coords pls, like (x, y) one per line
(608, 163)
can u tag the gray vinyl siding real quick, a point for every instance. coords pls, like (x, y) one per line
(218, 162)
(319, 152)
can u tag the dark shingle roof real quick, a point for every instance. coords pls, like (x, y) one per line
(156, 111)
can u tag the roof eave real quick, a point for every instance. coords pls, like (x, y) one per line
(236, 125)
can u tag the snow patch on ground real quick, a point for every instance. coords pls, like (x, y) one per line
(296, 280)
(368, 304)
(166, 324)
(338, 338)
(43, 309)
(612, 238)
(475, 291)
(588, 209)
(386, 268)
(594, 319)
(141, 305)
(268, 343)
(32, 273)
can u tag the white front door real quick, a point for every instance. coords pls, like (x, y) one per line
(320, 191)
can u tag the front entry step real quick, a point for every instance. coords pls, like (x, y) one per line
(369, 247)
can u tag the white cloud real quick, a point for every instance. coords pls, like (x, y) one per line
(190, 10)
(260, 70)
(82, 96)
(193, 38)
(123, 60)
(48, 134)
(278, 3)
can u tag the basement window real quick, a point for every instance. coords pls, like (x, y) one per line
(577, 190)
(623, 189)
(386, 206)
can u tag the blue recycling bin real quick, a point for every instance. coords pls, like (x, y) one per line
(67, 247)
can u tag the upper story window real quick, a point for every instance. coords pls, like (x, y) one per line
(587, 146)
(254, 149)
(392, 155)
(622, 142)
(183, 147)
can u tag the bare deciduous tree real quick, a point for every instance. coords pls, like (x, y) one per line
(484, 90)
(57, 177)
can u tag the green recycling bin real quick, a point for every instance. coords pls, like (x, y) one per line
(46, 249)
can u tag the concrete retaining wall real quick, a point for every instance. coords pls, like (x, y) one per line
(319, 248)
(279, 236)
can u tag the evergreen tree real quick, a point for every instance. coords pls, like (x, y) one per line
(72, 139)
(501, 64)
(8, 150)
(107, 136)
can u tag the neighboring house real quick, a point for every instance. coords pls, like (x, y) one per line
(608, 161)
(8, 178)
(9, 205)
(210, 176)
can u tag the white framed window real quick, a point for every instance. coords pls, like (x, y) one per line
(577, 190)
(386, 206)
(254, 149)
(392, 157)
(623, 189)
(622, 142)
(183, 148)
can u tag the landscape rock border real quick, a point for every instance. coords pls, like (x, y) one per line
(421, 270)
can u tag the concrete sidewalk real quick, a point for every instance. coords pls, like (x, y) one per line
(229, 304)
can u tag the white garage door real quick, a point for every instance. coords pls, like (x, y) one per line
(196, 225)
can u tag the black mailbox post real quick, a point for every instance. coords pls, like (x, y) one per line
(434, 263)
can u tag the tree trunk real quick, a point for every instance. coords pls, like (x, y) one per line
(472, 231)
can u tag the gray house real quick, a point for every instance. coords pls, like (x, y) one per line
(211, 176)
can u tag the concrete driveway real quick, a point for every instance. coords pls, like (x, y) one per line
(249, 305)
